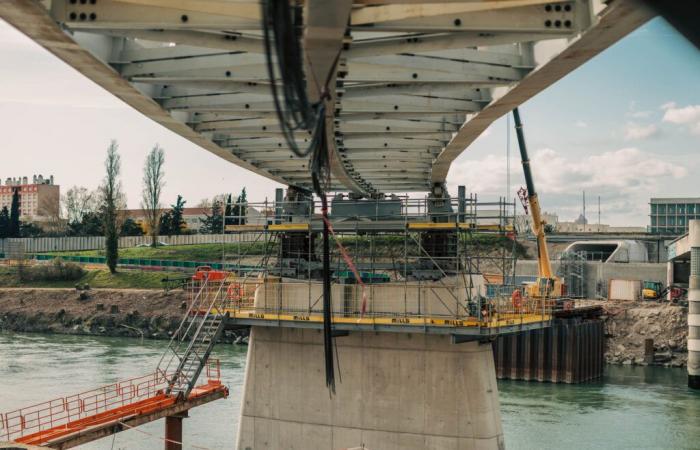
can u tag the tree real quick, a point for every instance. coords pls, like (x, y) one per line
(213, 223)
(239, 211)
(111, 198)
(14, 227)
(153, 182)
(130, 228)
(4, 222)
(92, 224)
(78, 201)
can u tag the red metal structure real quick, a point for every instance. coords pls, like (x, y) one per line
(44, 423)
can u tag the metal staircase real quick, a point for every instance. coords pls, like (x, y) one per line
(190, 346)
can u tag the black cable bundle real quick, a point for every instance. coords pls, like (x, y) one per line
(282, 25)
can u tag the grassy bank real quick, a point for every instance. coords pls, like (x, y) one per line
(196, 252)
(124, 279)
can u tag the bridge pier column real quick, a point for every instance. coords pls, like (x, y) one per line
(173, 431)
(394, 391)
(694, 306)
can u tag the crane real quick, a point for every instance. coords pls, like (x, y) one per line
(547, 284)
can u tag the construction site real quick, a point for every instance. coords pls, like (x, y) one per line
(378, 307)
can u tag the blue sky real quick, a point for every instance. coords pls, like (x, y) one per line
(625, 126)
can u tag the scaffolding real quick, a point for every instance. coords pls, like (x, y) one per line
(421, 263)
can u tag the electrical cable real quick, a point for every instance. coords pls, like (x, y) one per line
(282, 27)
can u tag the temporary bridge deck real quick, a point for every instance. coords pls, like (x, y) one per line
(66, 422)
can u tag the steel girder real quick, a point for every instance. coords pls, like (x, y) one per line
(419, 80)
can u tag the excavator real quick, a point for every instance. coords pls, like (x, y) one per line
(547, 286)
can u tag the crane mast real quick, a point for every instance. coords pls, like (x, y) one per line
(547, 284)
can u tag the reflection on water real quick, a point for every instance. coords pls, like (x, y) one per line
(631, 408)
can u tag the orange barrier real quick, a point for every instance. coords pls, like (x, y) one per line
(43, 422)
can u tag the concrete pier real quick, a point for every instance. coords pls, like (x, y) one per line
(694, 306)
(395, 391)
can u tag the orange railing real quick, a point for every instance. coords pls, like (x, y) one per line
(65, 415)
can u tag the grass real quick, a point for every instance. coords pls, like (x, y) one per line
(196, 252)
(213, 252)
(124, 279)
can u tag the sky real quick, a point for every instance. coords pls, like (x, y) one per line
(625, 127)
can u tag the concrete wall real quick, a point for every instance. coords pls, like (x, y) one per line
(598, 274)
(398, 392)
(55, 244)
(431, 298)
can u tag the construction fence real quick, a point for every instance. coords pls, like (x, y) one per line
(77, 243)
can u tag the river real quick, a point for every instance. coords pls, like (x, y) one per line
(631, 408)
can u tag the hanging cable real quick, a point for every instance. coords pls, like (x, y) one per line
(282, 25)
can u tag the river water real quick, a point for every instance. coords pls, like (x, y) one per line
(631, 408)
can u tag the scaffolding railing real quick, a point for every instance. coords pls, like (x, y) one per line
(75, 412)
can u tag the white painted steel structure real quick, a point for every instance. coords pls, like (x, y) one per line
(418, 82)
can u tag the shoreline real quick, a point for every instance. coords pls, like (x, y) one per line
(156, 314)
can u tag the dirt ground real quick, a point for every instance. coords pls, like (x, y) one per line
(628, 324)
(111, 312)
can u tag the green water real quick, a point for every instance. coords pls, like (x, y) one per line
(631, 408)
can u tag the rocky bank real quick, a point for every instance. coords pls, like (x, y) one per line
(628, 324)
(107, 312)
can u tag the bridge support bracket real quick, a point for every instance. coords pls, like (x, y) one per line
(173, 431)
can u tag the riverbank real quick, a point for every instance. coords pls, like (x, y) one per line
(102, 312)
(629, 324)
(155, 314)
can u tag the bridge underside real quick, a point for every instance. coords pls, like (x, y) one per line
(417, 83)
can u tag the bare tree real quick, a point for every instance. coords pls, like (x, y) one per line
(78, 201)
(112, 197)
(153, 182)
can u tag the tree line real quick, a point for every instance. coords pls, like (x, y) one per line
(103, 211)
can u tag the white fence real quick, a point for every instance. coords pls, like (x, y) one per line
(57, 244)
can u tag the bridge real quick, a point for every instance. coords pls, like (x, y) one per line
(405, 87)
(418, 83)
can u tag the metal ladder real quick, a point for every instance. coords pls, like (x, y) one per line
(189, 348)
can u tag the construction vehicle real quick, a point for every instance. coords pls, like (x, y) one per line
(654, 290)
(547, 284)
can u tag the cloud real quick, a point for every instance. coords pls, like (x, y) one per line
(687, 115)
(581, 124)
(640, 114)
(624, 178)
(634, 131)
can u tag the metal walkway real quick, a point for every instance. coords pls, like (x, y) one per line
(73, 420)
(65, 422)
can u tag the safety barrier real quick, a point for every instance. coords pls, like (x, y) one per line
(445, 302)
(78, 243)
(74, 412)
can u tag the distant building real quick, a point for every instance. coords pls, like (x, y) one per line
(578, 227)
(523, 222)
(39, 200)
(671, 215)
(193, 217)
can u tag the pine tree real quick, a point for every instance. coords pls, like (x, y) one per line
(14, 227)
(4, 222)
(213, 223)
(111, 195)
